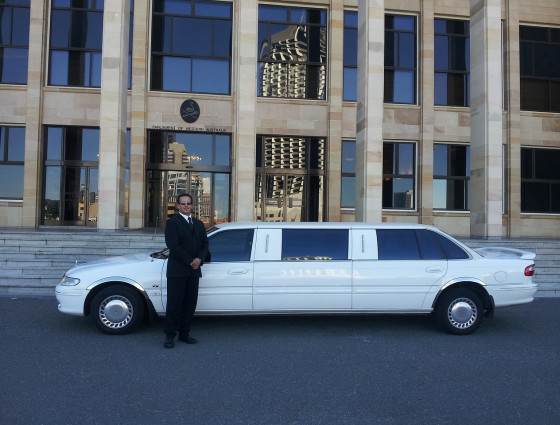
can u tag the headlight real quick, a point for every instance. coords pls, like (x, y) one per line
(69, 281)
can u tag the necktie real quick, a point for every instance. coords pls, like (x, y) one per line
(189, 220)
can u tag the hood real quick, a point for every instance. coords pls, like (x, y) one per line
(124, 265)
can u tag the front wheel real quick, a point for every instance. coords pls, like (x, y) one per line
(459, 311)
(117, 310)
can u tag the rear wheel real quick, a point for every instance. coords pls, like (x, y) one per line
(459, 311)
(117, 310)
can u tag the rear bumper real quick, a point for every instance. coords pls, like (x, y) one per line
(512, 294)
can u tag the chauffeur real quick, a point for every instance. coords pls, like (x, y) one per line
(185, 236)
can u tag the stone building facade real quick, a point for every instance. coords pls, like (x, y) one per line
(443, 112)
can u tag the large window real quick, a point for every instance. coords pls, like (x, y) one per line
(75, 43)
(14, 41)
(540, 68)
(451, 62)
(451, 177)
(399, 164)
(12, 154)
(540, 180)
(350, 56)
(191, 46)
(400, 59)
(292, 55)
(348, 182)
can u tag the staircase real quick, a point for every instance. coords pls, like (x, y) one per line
(33, 261)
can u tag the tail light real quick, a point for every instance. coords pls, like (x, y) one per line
(530, 270)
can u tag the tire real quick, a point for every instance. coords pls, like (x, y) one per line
(117, 310)
(459, 311)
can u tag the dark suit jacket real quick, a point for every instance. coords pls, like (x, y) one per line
(185, 242)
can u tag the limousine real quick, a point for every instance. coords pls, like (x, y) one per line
(312, 268)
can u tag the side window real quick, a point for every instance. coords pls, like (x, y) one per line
(312, 244)
(452, 250)
(397, 244)
(231, 245)
(428, 246)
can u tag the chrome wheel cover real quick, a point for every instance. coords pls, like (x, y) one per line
(115, 311)
(462, 313)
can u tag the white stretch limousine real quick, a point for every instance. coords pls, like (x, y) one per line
(306, 268)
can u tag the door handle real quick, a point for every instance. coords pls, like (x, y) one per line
(434, 269)
(238, 271)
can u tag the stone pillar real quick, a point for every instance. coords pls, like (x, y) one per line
(33, 168)
(513, 147)
(426, 93)
(334, 142)
(486, 119)
(112, 134)
(139, 89)
(369, 119)
(243, 172)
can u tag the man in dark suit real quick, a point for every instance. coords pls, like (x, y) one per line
(185, 236)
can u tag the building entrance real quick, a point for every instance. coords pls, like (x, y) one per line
(193, 163)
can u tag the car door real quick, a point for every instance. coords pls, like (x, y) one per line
(405, 268)
(302, 269)
(227, 279)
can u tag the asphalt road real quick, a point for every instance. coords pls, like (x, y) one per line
(58, 369)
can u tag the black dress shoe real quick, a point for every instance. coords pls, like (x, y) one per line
(188, 339)
(169, 342)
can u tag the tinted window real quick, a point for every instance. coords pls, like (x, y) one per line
(397, 244)
(314, 244)
(428, 246)
(231, 245)
(451, 249)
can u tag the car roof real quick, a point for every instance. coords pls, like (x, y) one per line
(322, 225)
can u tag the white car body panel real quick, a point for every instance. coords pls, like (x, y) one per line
(362, 283)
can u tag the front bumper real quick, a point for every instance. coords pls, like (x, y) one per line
(71, 299)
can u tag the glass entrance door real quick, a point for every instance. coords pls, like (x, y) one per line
(80, 196)
(290, 197)
(209, 190)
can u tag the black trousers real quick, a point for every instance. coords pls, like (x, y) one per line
(182, 296)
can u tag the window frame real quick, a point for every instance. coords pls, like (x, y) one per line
(447, 177)
(4, 157)
(396, 175)
(10, 6)
(190, 58)
(399, 68)
(532, 179)
(449, 70)
(321, 67)
(91, 57)
(549, 81)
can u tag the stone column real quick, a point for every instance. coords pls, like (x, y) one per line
(137, 174)
(369, 120)
(426, 94)
(334, 142)
(112, 134)
(486, 118)
(513, 151)
(33, 168)
(244, 142)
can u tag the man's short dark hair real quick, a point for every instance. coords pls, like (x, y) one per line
(179, 196)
